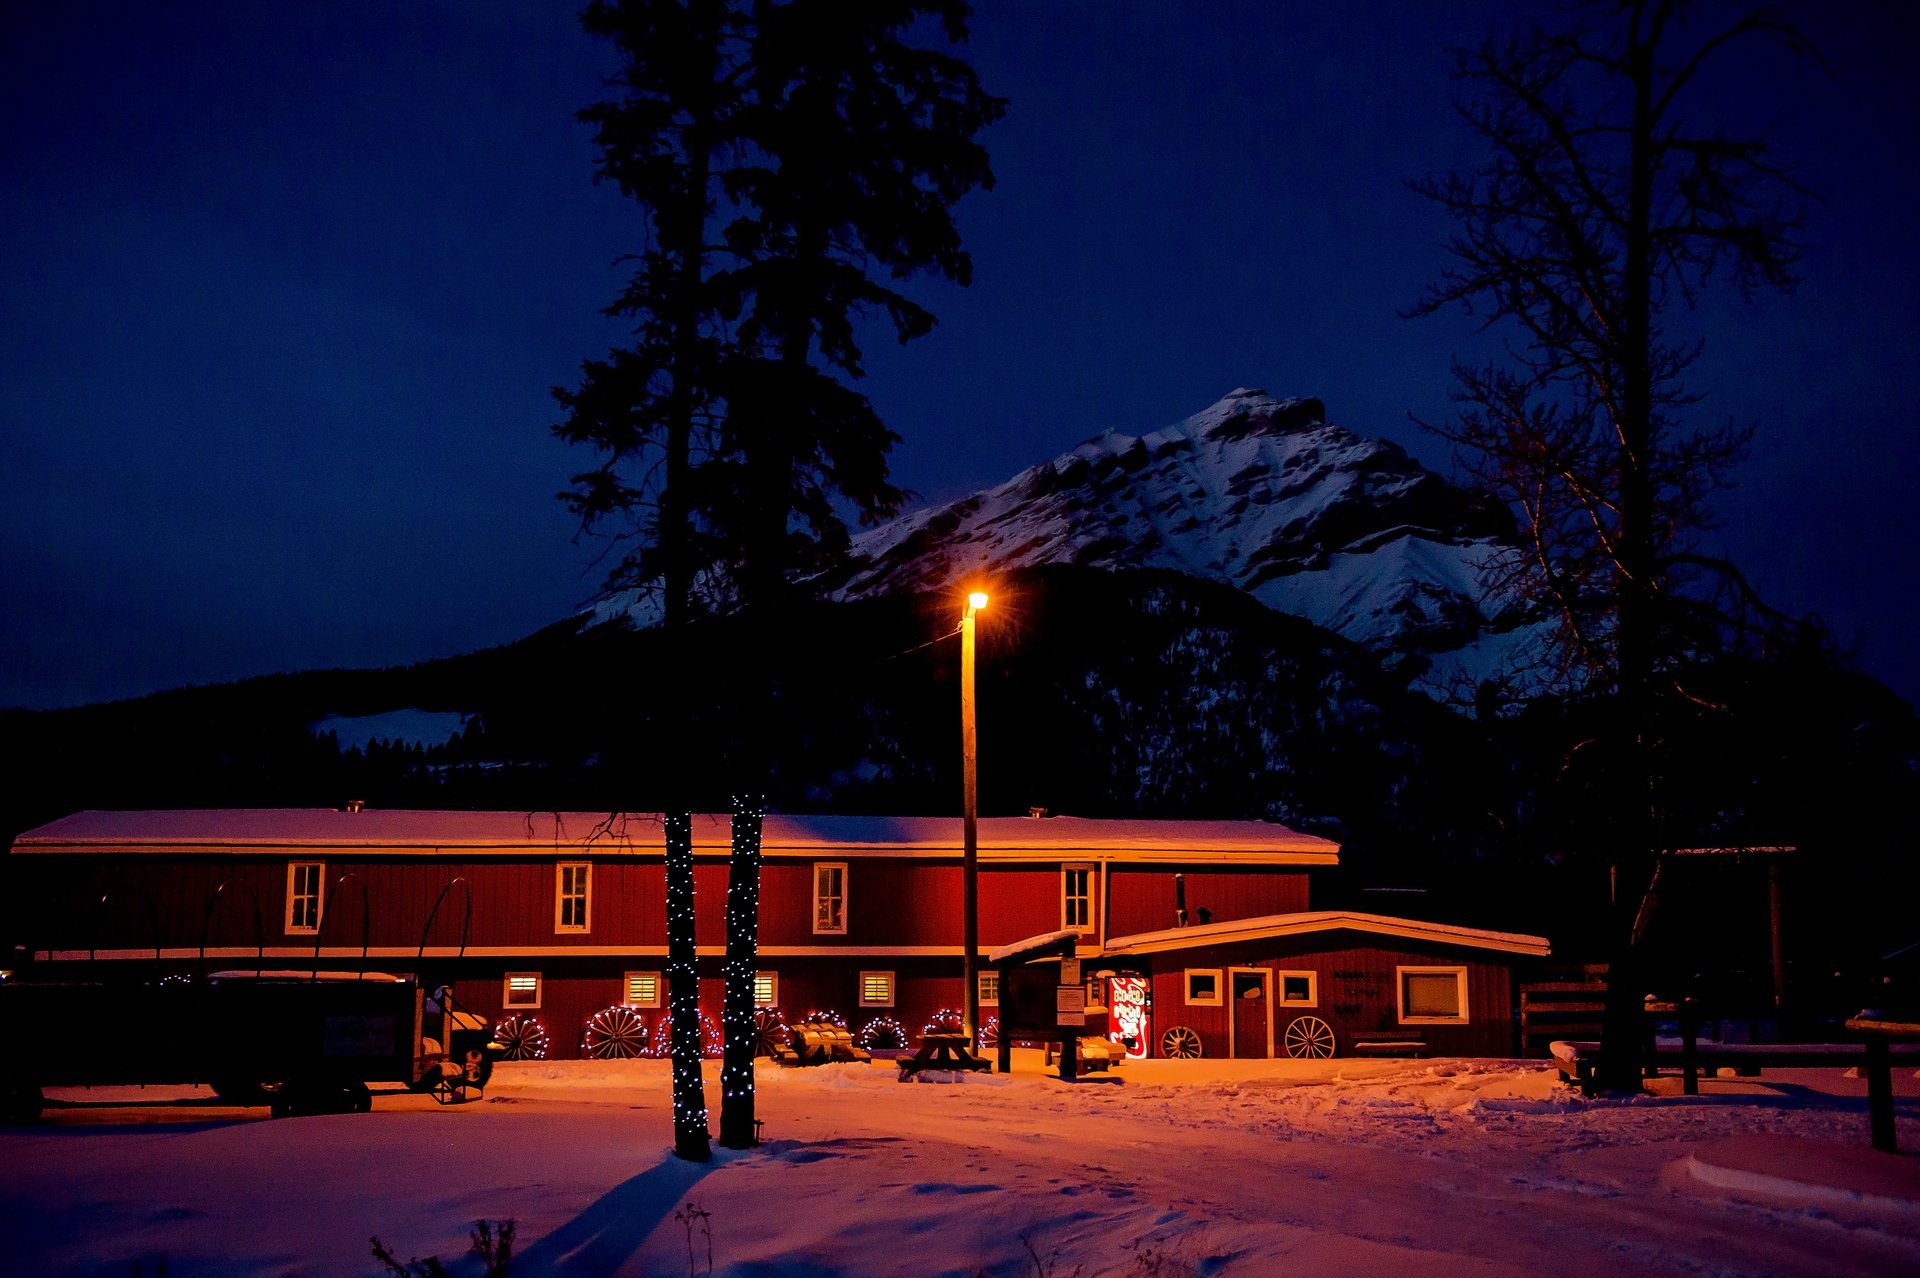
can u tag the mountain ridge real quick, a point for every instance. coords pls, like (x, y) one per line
(1254, 491)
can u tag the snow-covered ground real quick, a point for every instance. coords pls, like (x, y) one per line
(1301, 1168)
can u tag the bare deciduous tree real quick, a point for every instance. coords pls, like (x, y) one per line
(1603, 207)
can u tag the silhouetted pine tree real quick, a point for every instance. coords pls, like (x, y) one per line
(862, 143)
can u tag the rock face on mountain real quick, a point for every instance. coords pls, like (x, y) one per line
(1256, 492)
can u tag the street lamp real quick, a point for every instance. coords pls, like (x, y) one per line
(970, 846)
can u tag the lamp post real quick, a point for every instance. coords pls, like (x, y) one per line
(970, 813)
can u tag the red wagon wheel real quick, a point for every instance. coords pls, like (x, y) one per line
(615, 1033)
(521, 1038)
(769, 1032)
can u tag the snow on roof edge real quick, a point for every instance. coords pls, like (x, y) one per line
(1014, 949)
(401, 827)
(1270, 925)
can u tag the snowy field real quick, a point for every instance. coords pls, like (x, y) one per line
(1168, 1168)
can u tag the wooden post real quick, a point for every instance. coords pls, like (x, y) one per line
(1778, 934)
(970, 842)
(1689, 1048)
(1070, 1057)
(1880, 1093)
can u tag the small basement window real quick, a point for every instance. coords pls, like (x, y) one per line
(1298, 989)
(876, 989)
(1431, 995)
(1203, 987)
(766, 989)
(989, 987)
(522, 990)
(643, 989)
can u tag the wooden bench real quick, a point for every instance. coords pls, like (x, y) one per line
(1385, 1043)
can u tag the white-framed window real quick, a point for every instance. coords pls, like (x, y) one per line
(306, 893)
(989, 983)
(1203, 987)
(642, 989)
(829, 898)
(1076, 897)
(573, 896)
(766, 989)
(1297, 989)
(876, 989)
(520, 990)
(1431, 995)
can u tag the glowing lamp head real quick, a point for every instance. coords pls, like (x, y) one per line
(976, 601)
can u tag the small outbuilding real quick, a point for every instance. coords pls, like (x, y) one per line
(1327, 982)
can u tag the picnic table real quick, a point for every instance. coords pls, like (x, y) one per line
(942, 1051)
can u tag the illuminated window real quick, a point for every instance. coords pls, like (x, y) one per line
(1076, 897)
(304, 889)
(522, 990)
(989, 987)
(1431, 995)
(876, 989)
(830, 898)
(573, 887)
(643, 989)
(766, 989)
(1298, 989)
(1203, 987)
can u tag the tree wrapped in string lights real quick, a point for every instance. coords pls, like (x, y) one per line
(740, 1030)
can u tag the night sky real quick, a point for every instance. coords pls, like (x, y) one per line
(283, 290)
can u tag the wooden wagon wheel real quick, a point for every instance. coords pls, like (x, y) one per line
(523, 1038)
(615, 1033)
(1309, 1038)
(990, 1034)
(1180, 1044)
(769, 1032)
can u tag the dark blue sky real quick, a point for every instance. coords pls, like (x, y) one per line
(282, 290)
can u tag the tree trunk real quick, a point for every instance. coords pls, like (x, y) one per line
(1619, 1067)
(764, 585)
(743, 936)
(691, 1138)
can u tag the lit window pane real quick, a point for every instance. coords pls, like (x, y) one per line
(1432, 994)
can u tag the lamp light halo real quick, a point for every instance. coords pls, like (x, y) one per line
(977, 600)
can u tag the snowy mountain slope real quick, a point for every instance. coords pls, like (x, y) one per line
(1257, 492)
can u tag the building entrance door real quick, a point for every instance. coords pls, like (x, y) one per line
(1251, 1010)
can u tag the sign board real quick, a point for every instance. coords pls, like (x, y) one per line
(1069, 971)
(1070, 1005)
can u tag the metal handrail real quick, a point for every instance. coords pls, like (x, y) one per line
(259, 930)
(366, 923)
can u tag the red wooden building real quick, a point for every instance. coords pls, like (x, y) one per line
(554, 917)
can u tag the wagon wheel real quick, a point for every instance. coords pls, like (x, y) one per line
(769, 1032)
(990, 1034)
(615, 1033)
(521, 1038)
(1309, 1038)
(1180, 1044)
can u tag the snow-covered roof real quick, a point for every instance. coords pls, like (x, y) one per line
(381, 830)
(1033, 944)
(1271, 925)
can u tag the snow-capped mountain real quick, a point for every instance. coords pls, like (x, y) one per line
(1256, 492)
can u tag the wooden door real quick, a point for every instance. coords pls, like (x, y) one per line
(1250, 1013)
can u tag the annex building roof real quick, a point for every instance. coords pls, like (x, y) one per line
(371, 831)
(1273, 925)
